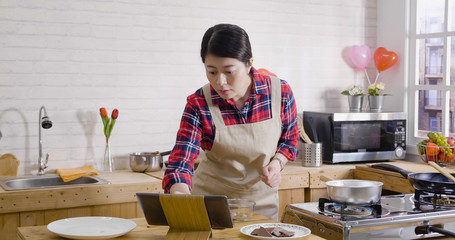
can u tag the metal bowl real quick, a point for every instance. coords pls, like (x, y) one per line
(354, 192)
(147, 161)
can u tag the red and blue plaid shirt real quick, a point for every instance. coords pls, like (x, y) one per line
(197, 129)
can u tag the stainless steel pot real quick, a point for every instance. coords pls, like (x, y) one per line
(147, 161)
(354, 192)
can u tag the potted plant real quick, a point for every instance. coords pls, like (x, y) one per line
(376, 96)
(383, 60)
(108, 163)
(355, 97)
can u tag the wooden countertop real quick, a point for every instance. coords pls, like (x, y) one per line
(124, 186)
(294, 175)
(153, 232)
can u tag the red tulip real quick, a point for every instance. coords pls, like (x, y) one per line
(108, 122)
(114, 114)
(103, 112)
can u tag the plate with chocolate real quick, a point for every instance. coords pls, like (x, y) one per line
(275, 231)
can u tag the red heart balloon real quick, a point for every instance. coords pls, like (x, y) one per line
(384, 59)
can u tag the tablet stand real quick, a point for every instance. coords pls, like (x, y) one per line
(186, 216)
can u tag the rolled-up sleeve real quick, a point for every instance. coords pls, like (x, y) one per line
(186, 150)
(289, 140)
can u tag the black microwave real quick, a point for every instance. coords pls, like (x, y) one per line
(357, 136)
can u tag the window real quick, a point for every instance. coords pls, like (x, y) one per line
(432, 74)
(433, 124)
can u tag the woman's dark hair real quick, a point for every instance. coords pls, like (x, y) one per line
(226, 40)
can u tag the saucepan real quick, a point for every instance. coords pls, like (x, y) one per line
(354, 192)
(147, 161)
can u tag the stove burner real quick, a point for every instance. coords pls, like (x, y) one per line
(344, 211)
(350, 210)
(443, 201)
(433, 201)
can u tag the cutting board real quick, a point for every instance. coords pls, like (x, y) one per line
(9, 165)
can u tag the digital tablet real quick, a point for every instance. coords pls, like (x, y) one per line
(217, 208)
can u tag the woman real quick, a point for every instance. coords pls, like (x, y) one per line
(244, 121)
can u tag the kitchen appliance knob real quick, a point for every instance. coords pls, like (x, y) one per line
(399, 152)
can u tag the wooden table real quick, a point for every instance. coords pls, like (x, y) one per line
(153, 232)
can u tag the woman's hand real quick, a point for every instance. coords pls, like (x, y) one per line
(180, 188)
(271, 174)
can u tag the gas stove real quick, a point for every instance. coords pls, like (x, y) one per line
(394, 217)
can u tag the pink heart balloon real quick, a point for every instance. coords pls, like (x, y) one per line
(360, 56)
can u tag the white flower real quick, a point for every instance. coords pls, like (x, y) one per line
(376, 89)
(353, 90)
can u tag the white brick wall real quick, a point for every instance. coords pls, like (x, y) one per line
(142, 57)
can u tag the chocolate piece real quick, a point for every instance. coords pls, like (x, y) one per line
(262, 232)
(280, 232)
(270, 232)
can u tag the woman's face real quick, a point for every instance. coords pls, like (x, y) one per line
(228, 76)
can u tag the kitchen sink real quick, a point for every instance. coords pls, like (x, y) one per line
(47, 181)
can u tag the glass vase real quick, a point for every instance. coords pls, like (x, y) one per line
(108, 163)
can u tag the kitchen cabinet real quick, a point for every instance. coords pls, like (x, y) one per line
(42, 206)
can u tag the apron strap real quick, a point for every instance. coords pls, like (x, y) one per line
(214, 111)
(276, 96)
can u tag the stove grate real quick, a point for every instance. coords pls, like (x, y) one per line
(433, 201)
(347, 210)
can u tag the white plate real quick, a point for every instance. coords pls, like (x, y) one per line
(299, 231)
(91, 227)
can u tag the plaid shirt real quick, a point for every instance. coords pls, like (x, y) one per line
(197, 129)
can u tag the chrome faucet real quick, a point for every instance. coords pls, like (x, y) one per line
(46, 124)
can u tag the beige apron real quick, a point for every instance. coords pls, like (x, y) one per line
(234, 164)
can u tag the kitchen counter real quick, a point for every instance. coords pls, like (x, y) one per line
(299, 184)
(41, 206)
(294, 175)
(125, 184)
(302, 184)
(123, 188)
(153, 232)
